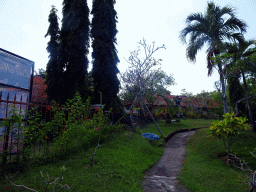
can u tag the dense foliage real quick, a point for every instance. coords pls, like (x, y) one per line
(53, 71)
(104, 55)
(228, 129)
(74, 44)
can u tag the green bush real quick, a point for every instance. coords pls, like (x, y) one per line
(201, 115)
(228, 129)
(87, 134)
(192, 115)
(79, 129)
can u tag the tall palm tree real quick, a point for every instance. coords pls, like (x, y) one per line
(212, 28)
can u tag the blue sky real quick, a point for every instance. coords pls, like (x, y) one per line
(24, 23)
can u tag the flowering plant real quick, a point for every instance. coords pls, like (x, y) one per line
(77, 126)
(32, 133)
(77, 118)
(82, 132)
(133, 124)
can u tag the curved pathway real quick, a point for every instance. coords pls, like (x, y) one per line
(162, 176)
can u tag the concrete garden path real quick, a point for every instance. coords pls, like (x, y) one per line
(162, 176)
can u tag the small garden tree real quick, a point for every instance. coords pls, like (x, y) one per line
(141, 74)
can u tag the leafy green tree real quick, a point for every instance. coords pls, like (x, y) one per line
(251, 90)
(236, 55)
(129, 96)
(204, 99)
(196, 103)
(104, 55)
(216, 97)
(156, 85)
(212, 29)
(138, 74)
(53, 72)
(74, 44)
(250, 82)
(240, 61)
(41, 73)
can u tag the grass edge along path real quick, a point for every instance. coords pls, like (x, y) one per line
(203, 170)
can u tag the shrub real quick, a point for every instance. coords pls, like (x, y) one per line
(200, 114)
(228, 129)
(192, 115)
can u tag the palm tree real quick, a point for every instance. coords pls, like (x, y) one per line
(212, 29)
(240, 64)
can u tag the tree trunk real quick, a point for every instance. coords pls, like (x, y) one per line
(249, 104)
(223, 87)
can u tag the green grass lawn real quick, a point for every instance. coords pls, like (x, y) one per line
(120, 163)
(204, 171)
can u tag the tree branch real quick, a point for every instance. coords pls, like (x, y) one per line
(237, 112)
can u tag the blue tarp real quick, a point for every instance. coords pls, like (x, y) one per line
(150, 136)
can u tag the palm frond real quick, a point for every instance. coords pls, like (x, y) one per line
(198, 33)
(194, 30)
(248, 52)
(195, 17)
(234, 37)
(246, 47)
(234, 23)
(194, 47)
(227, 10)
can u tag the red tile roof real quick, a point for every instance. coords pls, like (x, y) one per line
(196, 101)
(38, 95)
(39, 87)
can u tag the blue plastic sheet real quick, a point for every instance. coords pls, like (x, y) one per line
(150, 136)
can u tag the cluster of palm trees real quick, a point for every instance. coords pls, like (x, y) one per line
(227, 50)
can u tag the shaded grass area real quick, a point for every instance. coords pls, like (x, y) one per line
(203, 170)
